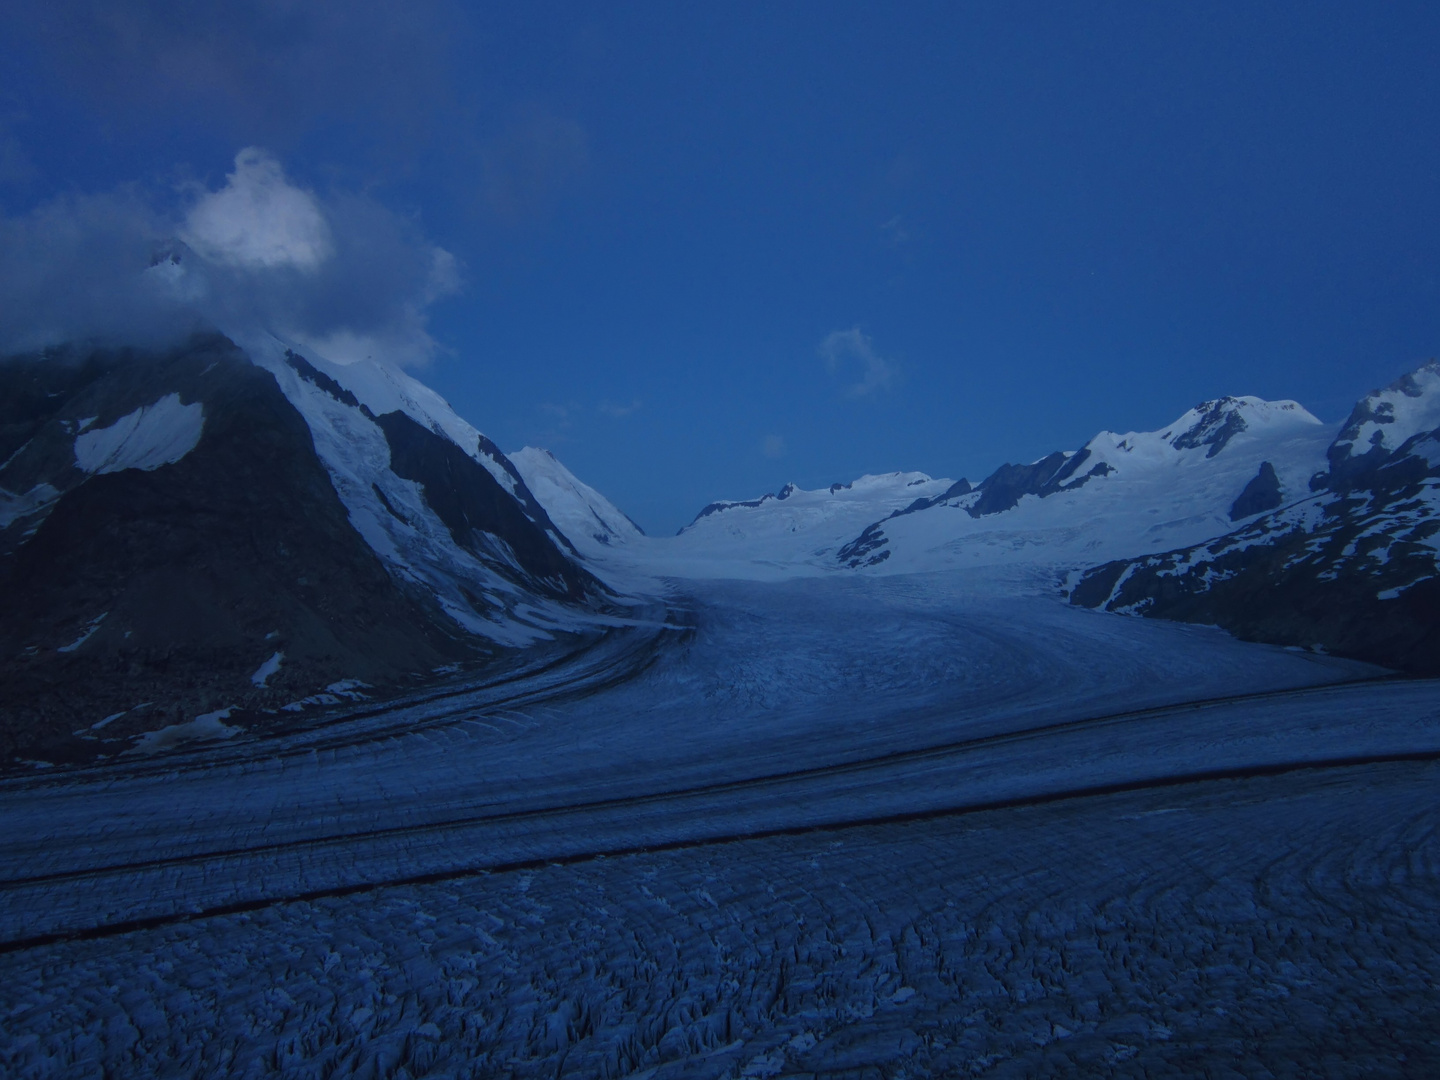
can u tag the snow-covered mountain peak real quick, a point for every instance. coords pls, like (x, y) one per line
(402, 462)
(870, 490)
(1216, 463)
(1385, 419)
(1351, 565)
(385, 389)
(591, 522)
(1212, 424)
(1208, 428)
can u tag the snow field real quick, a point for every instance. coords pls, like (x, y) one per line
(1156, 499)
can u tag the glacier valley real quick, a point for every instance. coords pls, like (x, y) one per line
(891, 779)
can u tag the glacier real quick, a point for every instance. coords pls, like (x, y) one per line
(778, 810)
(909, 824)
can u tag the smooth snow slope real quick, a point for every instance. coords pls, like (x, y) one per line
(591, 522)
(1163, 489)
(792, 533)
(799, 526)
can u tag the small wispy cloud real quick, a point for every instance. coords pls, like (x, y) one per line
(850, 352)
(772, 446)
(619, 412)
(893, 232)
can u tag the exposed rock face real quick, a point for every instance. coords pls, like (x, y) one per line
(1261, 494)
(179, 582)
(1351, 568)
(482, 516)
(172, 545)
(1004, 488)
(1216, 424)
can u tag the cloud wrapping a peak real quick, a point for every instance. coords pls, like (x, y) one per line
(258, 219)
(851, 350)
(341, 274)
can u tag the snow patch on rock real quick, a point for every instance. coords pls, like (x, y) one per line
(151, 436)
(14, 507)
(206, 727)
(84, 634)
(267, 669)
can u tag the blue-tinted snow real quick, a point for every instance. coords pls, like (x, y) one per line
(308, 904)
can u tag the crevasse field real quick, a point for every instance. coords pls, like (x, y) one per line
(939, 824)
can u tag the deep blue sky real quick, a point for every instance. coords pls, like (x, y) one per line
(1041, 220)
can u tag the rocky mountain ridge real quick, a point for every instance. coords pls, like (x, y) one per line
(210, 533)
(1119, 493)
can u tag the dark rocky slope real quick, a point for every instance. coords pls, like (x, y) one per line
(160, 592)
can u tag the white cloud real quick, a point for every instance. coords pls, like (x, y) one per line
(259, 220)
(853, 351)
(338, 273)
